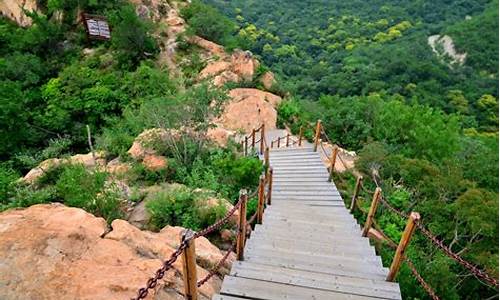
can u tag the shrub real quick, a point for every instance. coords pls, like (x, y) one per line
(79, 187)
(181, 207)
(7, 182)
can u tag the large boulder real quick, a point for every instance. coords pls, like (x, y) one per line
(87, 160)
(248, 109)
(212, 48)
(243, 64)
(268, 80)
(13, 9)
(52, 251)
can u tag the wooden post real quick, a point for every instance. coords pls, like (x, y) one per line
(333, 159)
(266, 157)
(240, 242)
(356, 193)
(373, 210)
(260, 204)
(262, 138)
(316, 135)
(253, 138)
(403, 243)
(301, 134)
(287, 140)
(270, 186)
(189, 268)
(246, 145)
(272, 144)
(279, 142)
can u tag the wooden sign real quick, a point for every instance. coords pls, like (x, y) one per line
(97, 27)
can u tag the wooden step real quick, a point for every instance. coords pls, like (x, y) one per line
(264, 290)
(341, 284)
(332, 252)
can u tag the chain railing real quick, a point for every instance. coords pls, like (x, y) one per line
(413, 222)
(186, 247)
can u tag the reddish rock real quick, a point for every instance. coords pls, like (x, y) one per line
(219, 135)
(243, 64)
(52, 251)
(214, 68)
(268, 80)
(225, 77)
(248, 109)
(213, 48)
(155, 162)
(245, 93)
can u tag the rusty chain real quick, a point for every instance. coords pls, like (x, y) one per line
(420, 279)
(216, 267)
(142, 293)
(478, 273)
(401, 214)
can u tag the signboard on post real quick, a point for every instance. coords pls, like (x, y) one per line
(97, 27)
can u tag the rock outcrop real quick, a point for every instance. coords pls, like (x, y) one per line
(52, 251)
(240, 66)
(86, 160)
(248, 109)
(12, 9)
(444, 48)
(143, 147)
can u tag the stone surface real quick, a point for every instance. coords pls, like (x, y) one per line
(243, 64)
(12, 9)
(88, 161)
(155, 162)
(52, 251)
(214, 68)
(244, 93)
(213, 48)
(225, 77)
(43, 167)
(219, 135)
(117, 167)
(248, 109)
(268, 80)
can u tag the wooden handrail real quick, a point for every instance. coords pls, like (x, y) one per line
(317, 135)
(333, 159)
(189, 267)
(301, 134)
(372, 211)
(261, 200)
(403, 243)
(270, 185)
(359, 181)
(240, 242)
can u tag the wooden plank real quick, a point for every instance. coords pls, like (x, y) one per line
(311, 203)
(326, 226)
(291, 242)
(262, 290)
(312, 230)
(335, 255)
(341, 284)
(295, 264)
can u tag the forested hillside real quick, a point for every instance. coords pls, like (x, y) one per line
(424, 123)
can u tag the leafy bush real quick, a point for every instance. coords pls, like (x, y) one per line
(208, 23)
(79, 187)
(222, 171)
(7, 183)
(181, 207)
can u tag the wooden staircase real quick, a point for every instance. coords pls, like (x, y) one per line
(309, 246)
